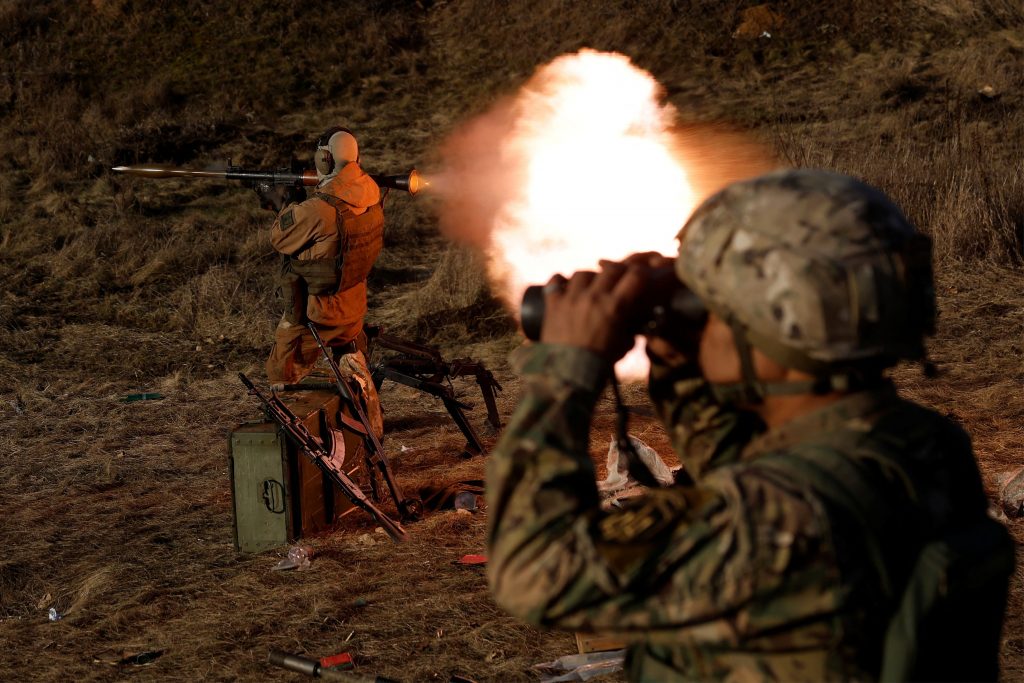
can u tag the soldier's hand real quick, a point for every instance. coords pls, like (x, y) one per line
(681, 346)
(593, 310)
(294, 195)
(272, 197)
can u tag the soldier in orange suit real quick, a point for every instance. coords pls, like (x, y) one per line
(329, 242)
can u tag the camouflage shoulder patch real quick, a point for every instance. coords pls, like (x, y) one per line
(287, 219)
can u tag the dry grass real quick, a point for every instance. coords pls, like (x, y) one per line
(118, 514)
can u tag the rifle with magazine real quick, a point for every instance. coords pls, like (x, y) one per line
(314, 449)
(409, 509)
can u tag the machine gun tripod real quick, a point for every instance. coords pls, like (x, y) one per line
(423, 367)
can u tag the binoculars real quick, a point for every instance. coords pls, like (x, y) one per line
(666, 308)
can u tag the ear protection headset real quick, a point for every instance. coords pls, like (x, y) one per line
(322, 158)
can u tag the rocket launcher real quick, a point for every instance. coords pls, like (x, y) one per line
(411, 182)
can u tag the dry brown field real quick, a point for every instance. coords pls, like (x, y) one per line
(118, 514)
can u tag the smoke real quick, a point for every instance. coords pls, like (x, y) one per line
(478, 177)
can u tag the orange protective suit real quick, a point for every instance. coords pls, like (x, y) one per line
(313, 234)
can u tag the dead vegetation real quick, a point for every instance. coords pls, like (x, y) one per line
(118, 514)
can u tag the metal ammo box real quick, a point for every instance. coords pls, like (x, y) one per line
(278, 495)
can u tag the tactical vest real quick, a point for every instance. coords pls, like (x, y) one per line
(360, 239)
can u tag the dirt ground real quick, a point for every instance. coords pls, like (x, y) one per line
(118, 515)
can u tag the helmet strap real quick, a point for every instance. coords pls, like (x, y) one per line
(751, 390)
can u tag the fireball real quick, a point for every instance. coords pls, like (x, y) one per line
(584, 163)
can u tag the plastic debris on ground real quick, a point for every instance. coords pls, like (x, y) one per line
(127, 658)
(378, 536)
(54, 615)
(298, 558)
(1011, 495)
(472, 560)
(464, 500)
(618, 484)
(132, 398)
(341, 662)
(581, 667)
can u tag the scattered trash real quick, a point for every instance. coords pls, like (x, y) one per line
(464, 500)
(1011, 495)
(54, 615)
(758, 22)
(298, 558)
(132, 398)
(988, 92)
(315, 668)
(360, 602)
(443, 497)
(618, 477)
(581, 667)
(143, 658)
(472, 560)
(18, 405)
(341, 662)
(368, 539)
(127, 658)
(597, 642)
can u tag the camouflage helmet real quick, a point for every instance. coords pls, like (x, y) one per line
(817, 270)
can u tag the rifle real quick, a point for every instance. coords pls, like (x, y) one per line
(409, 509)
(410, 182)
(424, 368)
(314, 449)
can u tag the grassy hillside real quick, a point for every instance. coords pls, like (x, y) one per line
(118, 514)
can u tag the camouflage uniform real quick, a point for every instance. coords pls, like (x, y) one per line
(749, 574)
(754, 572)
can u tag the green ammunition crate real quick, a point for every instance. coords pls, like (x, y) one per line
(278, 495)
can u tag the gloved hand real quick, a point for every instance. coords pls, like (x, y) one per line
(294, 195)
(271, 196)
(276, 197)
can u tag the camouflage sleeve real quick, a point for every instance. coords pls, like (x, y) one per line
(704, 434)
(705, 561)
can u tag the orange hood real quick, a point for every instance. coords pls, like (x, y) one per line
(353, 186)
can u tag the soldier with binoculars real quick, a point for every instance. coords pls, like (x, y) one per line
(826, 528)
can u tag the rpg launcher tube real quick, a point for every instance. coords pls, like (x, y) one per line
(311, 667)
(411, 182)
